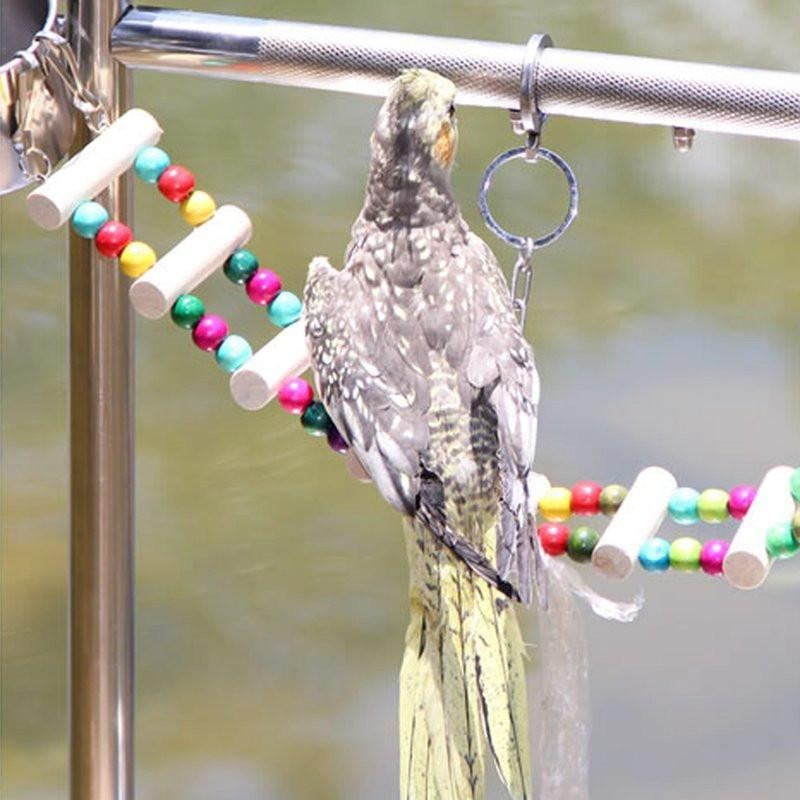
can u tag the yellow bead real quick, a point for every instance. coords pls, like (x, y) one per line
(136, 259)
(555, 504)
(198, 207)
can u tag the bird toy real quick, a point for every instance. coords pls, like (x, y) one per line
(429, 386)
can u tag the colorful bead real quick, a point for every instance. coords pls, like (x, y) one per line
(315, 419)
(241, 265)
(781, 542)
(150, 163)
(209, 332)
(794, 485)
(581, 543)
(263, 286)
(796, 526)
(682, 506)
(555, 504)
(611, 498)
(554, 537)
(136, 259)
(712, 556)
(654, 555)
(586, 498)
(112, 237)
(176, 183)
(285, 309)
(295, 395)
(684, 554)
(740, 500)
(187, 311)
(336, 441)
(233, 352)
(198, 208)
(712, 506)
(88, 218)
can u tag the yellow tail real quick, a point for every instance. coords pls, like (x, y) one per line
(462, 683)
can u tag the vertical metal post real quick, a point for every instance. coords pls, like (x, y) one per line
(101, 461)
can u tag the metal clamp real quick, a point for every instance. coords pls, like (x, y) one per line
(529, 119)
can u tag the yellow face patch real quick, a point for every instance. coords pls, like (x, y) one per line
(444, 148)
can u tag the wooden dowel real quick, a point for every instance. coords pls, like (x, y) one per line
(94, 168)
(637, 519)
(747, 562)
(191, 261)
(257, 382)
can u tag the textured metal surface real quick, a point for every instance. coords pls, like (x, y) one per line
(569, 82)
(101, 466)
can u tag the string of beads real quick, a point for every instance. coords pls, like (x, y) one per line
(686, 507)
(210, 332)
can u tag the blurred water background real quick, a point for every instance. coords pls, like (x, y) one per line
(271, 589)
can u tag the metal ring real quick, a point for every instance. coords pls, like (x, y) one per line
(529, 242)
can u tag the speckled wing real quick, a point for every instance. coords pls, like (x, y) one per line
(501, 365)
(374, 388)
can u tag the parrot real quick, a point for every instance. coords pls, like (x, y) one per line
(423, 367)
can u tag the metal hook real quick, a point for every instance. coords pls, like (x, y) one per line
(55, 50)
(529, 119)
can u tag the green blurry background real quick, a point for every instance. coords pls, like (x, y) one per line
(271, 588)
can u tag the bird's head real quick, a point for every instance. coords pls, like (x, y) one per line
(416, 125)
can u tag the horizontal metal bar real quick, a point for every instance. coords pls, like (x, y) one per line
(568, 82)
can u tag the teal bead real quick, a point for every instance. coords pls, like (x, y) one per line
(781, 542)
(315, 419)
(232, 353)
(285, 309)
(581, 543)
(682, 506)
(187, 311)
(654, 555)
(794, 485)
(240, 266)
(88, 218)
(150, 163)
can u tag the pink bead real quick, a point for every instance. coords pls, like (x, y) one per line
(740, 500)
(712, 555)
(209, 332)
(295, 395)
(263, 286)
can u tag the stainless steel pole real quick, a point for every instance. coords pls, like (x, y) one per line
(568, 82)
(101, 461)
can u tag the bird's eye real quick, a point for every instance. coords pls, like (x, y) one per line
(451, 112)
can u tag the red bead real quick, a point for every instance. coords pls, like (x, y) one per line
(112, 238)
(586, 497)
(176, 183)
(554, 537)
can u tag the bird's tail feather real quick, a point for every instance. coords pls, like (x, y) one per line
(462, 683)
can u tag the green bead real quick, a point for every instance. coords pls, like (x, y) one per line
(581, 543)
(794, 485)
(611, 498)
(712, 505)
(684, 554)
(187, 311)
(240, 266)
(315, 419)
(781, 542)
(796, 525)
